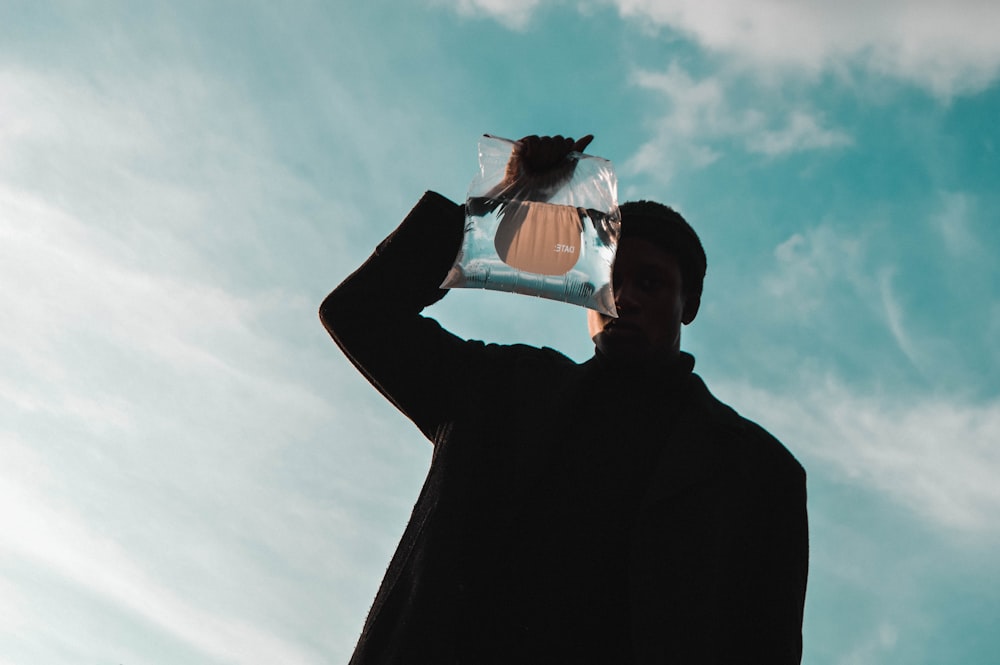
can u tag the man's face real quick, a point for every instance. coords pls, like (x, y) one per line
(651, 305)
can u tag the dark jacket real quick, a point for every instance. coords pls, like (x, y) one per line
(715, 546)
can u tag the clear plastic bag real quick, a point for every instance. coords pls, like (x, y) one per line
(553, 237)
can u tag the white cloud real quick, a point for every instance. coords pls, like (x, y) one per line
(694, 113)
(945, 47)
(698, 107)
(821, 272)
(894, 318)
(812, 263)
(952, 223)
(935, 456)
(180, 394)
(75, 292)
(877, 645)
(802, 133)
(700, 121)
(515, 14)
(166, 400)
(59, 540)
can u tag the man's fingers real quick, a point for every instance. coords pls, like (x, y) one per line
(582, 144)
(537, 154)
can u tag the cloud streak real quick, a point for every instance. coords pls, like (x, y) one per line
(59, 540)
(945, 48)
(934, 456)
(701, 123)
(514, 14)
(164, 415)
(803, 132)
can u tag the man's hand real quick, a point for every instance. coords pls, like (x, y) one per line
(536, 155)
(539, 162)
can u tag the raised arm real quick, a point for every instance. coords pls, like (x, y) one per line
(374, 315)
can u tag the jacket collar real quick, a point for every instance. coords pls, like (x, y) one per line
(653, 373)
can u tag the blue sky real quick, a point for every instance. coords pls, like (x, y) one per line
(193, 474)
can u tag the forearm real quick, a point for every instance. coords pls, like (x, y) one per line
(404, 273)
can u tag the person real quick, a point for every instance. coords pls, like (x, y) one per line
(611, 511)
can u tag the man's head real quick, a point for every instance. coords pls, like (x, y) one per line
(657, 278)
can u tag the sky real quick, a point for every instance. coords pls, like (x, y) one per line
(193, 473)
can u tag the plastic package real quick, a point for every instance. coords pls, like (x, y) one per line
(553, 237)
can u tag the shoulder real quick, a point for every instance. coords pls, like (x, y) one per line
(527, 356)
(519, 367)
(740, 439)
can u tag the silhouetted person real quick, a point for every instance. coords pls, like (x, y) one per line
(612, 511)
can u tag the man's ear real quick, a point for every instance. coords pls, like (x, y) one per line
(691, 305)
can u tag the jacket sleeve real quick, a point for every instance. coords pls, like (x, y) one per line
(374, 316)
(722, 558)
(770, 567)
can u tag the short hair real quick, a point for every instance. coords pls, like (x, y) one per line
(665, 227)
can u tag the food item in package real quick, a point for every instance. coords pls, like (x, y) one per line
(553, 237)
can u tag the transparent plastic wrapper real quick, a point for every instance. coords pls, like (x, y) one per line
(553, 236)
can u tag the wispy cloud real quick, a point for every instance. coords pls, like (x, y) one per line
(515, 14)
(946, 48)
(176, 420)
(877, 646)
(803, 132)
(812, 263)
(953, 224)
(701, 122)
(679, 135)
(846, 286)
(934, 456)
(894, 318)
(60, 541)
